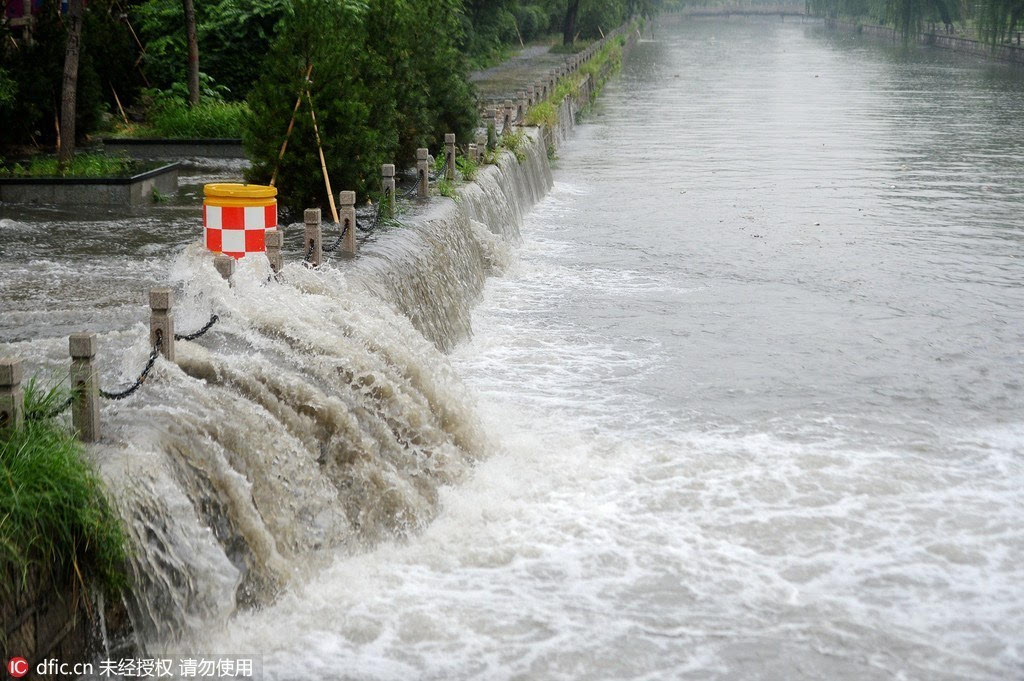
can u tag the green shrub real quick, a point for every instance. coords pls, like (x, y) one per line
(447, 188)
(514, 141)
(467, 167)
(379, 88)
(54, 517)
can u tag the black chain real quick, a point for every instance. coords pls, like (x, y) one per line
(376, 215)
(192, 336)
(142, 377)
(309, 252)
(337, 243)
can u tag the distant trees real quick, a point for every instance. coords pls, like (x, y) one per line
(995, 20)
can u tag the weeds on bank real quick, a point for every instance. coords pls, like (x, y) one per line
(467, 168)
(54, 517)
(447, 188)
(514, 141)
(82, 165)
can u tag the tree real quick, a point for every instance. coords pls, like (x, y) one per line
(572, 11)
(193, 52)
(69, 89)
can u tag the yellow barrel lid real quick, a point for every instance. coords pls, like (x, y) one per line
(227, 190)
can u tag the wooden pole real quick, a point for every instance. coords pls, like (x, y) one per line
(291, 124)
(119, 107)
(323, 162)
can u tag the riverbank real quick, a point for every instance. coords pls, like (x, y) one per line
(1009, 53)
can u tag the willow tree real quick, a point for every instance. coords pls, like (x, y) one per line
(908, 16)
(998, 19)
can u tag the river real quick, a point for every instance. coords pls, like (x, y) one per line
(752, 386)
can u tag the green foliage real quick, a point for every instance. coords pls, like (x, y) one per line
(54, 517)
(514, 141)
(172, 117)
(38, 69)
(467, 167)
(233, 36)
(83, 165)
(544, 114)
(380, 90)
(447, 188)
(907, 16)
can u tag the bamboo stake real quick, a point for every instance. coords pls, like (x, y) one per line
(323, 162)
(291, 124)
(119, 107)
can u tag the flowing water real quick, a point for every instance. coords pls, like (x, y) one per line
(741, 399)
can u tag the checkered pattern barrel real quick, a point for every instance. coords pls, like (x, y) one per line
(236, 217)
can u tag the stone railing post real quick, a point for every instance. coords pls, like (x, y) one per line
(85, 382)
(509, 113)
(449, 156)
(472, 152)
(492, 128)
(161, 321)
(423, 173)
(313, 245)
(347, 201)
(531, 95)
(273, 239)
(225, 265)
(11, 400)
(387, 190)
(520, 105)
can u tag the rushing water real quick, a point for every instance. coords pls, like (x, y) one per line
(746, 403)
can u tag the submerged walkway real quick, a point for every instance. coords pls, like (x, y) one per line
(501, 82)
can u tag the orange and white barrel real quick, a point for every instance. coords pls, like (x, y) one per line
(236, 217)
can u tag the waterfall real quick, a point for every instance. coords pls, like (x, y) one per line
(320, 413)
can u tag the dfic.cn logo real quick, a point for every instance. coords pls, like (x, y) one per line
(17, 667)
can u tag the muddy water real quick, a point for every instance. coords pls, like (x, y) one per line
(751, 392)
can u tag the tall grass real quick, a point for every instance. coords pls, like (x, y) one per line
(54, 517)
(83, 165)
(173, 118)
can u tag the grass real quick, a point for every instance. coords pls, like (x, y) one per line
(175, 119)
(544, 114)
(83, 165)
(467, 167)
(54, 517)
(513, 141)
(447, 188)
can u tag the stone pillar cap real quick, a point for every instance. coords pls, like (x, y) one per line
(347, 198)
(160, 298)
(311, 216)
(388, 170)
(10, 371)
(82, 345)
(421, 153)
(449, 138)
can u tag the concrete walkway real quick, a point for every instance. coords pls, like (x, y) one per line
(528, 65)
